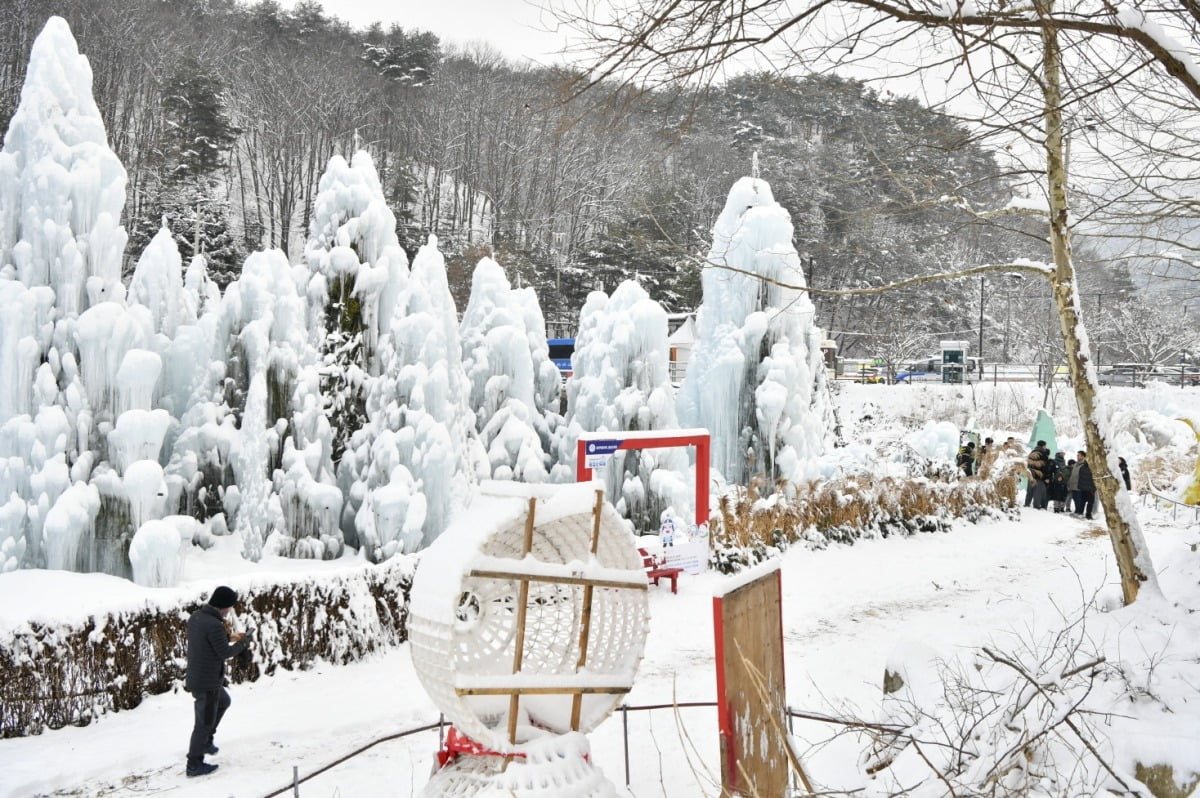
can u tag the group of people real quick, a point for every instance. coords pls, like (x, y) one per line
(1067, 485)
(1054, 482)
(971, 461)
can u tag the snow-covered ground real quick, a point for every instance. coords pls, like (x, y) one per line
(848, 612)
(845, 610)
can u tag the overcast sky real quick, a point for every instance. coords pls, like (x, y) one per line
(515, 27)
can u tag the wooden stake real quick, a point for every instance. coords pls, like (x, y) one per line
(522, 612)
(585, 628)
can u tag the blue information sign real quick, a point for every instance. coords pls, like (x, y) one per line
(600, 447)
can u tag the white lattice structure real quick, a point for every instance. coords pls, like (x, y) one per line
(513, 647)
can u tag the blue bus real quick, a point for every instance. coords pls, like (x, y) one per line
(561, 350)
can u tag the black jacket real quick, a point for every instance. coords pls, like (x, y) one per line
(208, 647)
(1086, 483)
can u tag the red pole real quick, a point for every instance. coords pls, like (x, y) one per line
(582, 472)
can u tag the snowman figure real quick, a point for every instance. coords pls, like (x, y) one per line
(666, 532)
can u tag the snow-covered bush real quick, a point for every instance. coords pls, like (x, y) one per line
(748, 529)
(70, 671)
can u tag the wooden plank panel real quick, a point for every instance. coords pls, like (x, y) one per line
(750, 681)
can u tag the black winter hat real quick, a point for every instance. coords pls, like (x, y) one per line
(223, 597)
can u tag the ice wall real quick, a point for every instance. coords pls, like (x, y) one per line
(419, 440)
(755, 379)
(499, 364)
(621, 382)
(64, 325)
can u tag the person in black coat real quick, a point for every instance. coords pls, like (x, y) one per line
(1087, 486)
(208, 646)
(1058, 482)
(1121, 464)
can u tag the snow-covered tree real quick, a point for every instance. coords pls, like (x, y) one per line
(357, 269)
(187, 186)
(621, 382)
(417, 457)
(755, 378)
(499, 366)
(547, 379)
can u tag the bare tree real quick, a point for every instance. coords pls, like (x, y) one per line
(1036, 73)
(1147, 332)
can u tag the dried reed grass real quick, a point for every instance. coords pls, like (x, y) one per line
(750, 528)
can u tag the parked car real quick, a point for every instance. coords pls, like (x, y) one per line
(1121, 376)
(1184, 376)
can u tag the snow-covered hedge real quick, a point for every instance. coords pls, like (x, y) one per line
(53, 673)
(749, 529)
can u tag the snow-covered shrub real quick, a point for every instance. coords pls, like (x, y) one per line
(1089, 703)
(749, 529)
(68, 673)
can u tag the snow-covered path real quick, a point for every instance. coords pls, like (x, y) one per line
(845, 610)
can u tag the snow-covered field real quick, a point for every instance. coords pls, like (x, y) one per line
(846, 609)
(849, 611)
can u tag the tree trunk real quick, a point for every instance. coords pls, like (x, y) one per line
(1129, 545)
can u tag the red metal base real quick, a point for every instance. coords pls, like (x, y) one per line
(458, 743)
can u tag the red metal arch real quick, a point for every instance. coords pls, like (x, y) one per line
(626, 441)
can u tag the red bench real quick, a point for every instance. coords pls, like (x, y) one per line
(655, 570)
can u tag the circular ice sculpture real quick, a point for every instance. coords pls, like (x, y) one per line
(528, 616)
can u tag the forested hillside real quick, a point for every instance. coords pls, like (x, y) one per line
(225, 114)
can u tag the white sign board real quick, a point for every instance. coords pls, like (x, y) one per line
(691, 557)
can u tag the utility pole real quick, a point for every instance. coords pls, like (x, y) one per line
(979, 354)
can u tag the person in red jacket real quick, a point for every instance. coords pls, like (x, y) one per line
(208, 646)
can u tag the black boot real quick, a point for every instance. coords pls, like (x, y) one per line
(203, 769)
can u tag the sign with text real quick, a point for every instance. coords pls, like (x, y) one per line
(692, 556)
(596, 453)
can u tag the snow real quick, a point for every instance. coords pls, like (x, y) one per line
(120, 407)
(157, 550)
(849, 613)
(512, 416)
